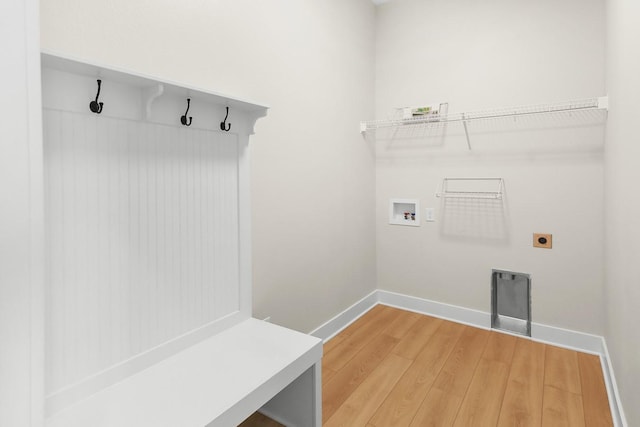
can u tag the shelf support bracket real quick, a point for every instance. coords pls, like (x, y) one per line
(149, 95)
(466, 131)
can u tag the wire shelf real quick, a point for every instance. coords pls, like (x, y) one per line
(435, 120)
(472, 188)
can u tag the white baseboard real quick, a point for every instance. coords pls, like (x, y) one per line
(543, 333)
(573, 340)
(615, 403)
(329, 329)
(560, 337)
(454, 313)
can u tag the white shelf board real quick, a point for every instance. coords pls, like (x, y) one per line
(54, 60)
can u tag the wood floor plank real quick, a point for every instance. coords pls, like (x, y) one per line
(327, 374)
(522, 403)
(337, 389)
(364, 319)
(404, 400)
(356, 325)
(456, 374)
(334, 342)
(363, 402)
(439, 408)
(561, 370)
(481, 404)
(401, 324)
(259, 420)
(500, 347)
(561, 408)
(416, 337)
(359, 337)
(594, 392)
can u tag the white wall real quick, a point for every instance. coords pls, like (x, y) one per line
(21, 291)
(622, 204)
(313, 178)
(479, 55)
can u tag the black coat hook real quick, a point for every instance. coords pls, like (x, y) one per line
(223, 124)
(183, 119)
(95, 106)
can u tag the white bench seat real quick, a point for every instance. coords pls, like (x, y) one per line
(217, 382)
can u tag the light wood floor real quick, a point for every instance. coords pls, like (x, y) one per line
(259, 420)
(397, 368)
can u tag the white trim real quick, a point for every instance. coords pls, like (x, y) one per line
(245, 273)
(454, 313)
(574, 340)
(617, 411)
(566, 338)
(329, 329)
(36, 213)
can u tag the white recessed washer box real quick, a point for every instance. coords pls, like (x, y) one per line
(404, 212)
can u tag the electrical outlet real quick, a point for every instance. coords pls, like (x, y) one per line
(541, 240)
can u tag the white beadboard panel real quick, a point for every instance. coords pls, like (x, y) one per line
(141, 238)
